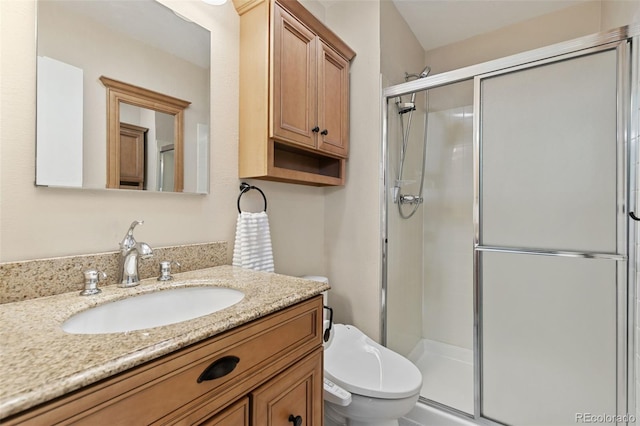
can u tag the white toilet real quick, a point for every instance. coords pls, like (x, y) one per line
(365, 383)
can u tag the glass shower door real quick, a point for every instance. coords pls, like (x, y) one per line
(551, 241)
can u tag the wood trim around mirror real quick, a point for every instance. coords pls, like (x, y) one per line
(117, 92)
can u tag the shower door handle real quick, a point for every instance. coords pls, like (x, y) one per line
(634, 217)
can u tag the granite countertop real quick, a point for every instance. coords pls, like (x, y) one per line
(41, 362)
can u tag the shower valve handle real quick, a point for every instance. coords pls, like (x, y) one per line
(315, 129)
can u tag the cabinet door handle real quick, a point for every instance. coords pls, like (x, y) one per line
(296, 420)
(219, 368)
(315, 129)
(324, 132)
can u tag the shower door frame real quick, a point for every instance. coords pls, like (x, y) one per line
(628, 154)
(620, 256)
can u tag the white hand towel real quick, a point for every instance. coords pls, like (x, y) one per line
(252, 249)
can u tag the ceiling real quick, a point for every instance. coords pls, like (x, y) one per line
(437, 23)
(148, 22)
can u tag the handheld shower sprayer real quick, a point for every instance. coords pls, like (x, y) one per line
(403, 108)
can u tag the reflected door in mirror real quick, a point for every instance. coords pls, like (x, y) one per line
(132, 156)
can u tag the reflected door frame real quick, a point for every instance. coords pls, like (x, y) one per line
(118, 92)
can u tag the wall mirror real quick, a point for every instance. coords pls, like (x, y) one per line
(128, 79)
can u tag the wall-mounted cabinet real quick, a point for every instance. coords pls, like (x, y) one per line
(294, 95)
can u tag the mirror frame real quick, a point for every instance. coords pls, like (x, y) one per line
(117, 92)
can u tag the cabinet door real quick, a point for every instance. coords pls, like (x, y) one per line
(333, 101)
(236, 415)
(295, 392)
(293, 114)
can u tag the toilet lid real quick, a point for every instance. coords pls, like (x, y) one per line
(361, 366)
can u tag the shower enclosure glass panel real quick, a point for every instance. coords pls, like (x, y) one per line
(430, 263)
(535, 355)
(555, 125)
(551, 265)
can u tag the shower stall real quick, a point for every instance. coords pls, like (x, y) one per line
(509, 235)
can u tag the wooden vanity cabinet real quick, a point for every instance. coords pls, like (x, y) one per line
(275, 371)
(294, 95)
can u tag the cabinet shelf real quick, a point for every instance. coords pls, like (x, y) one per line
(291, 164)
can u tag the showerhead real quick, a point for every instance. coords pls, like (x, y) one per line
(405, 107)
(425, 72)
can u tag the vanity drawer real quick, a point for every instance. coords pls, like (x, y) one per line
(173, 389)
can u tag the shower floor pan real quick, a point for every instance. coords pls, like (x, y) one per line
(447, 374)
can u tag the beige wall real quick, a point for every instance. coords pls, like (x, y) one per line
(352, 213)
(401, 52)
(566, 24)
(48, 222)
(616, 13)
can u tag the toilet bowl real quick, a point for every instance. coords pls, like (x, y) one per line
(365, 383)
(384, 385)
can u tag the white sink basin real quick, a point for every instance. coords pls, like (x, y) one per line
(152, 310)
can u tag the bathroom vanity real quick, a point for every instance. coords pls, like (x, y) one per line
(258, 362)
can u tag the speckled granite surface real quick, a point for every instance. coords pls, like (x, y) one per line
(41, 362)
(46, 277)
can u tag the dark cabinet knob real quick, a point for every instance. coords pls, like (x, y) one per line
(315, 129)
(324, 132)
(296, 420)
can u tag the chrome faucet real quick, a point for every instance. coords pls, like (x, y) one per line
(131, 251)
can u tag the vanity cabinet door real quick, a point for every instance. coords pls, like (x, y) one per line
(294, 81)
(292, 398)
(236, 415)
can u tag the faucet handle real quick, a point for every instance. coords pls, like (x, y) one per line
(91, 278)
(165, 269)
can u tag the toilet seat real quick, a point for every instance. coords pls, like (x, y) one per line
(361, 366)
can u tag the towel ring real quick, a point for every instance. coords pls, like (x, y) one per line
(245, 187)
